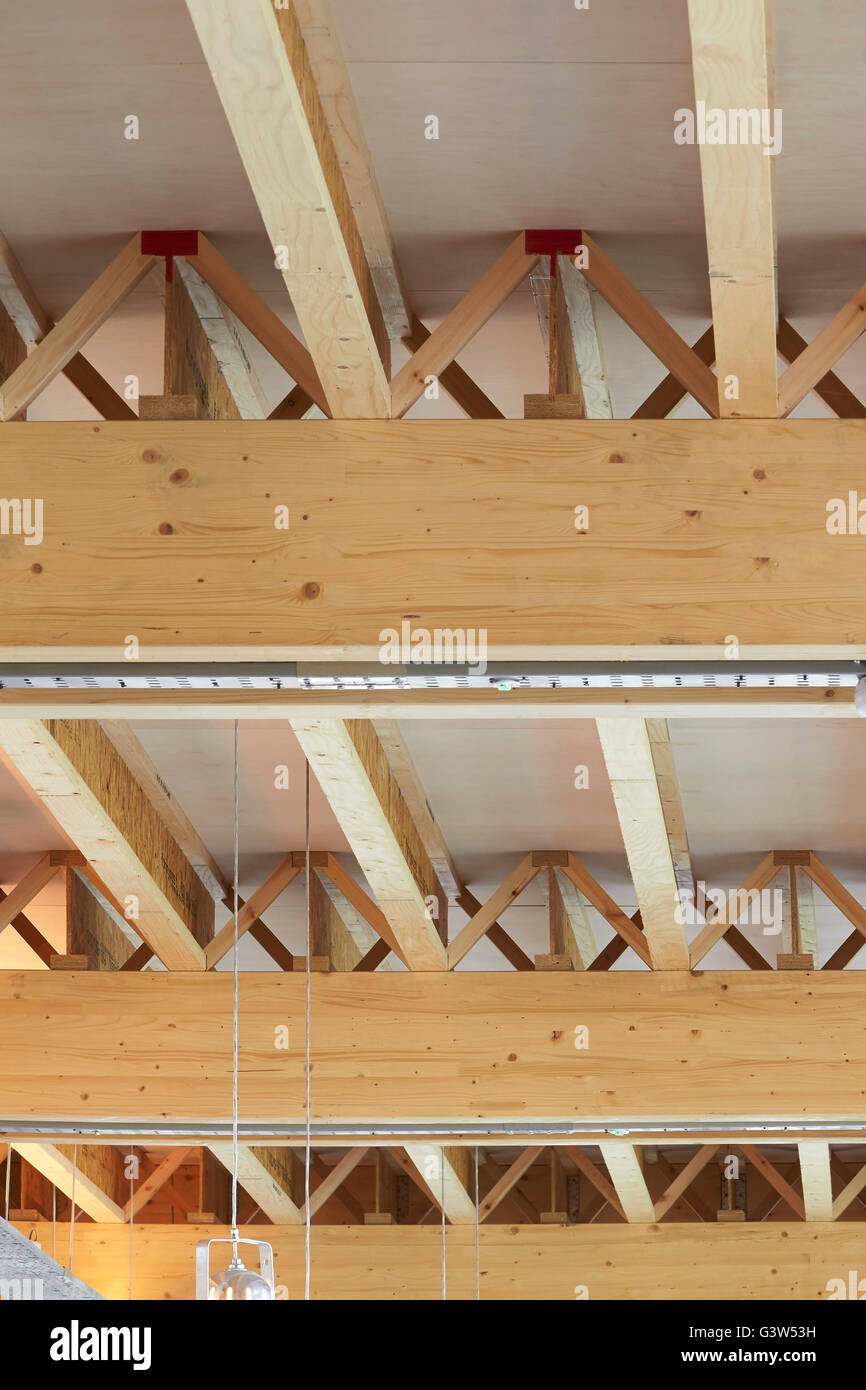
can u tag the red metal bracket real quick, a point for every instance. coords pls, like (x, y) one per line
(552, 242)
(169, 244)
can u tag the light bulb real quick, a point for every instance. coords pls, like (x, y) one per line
(238, 1282)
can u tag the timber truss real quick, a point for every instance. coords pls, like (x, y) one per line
(141, 883)
(350, 315)
(386, 1184)
(206, 298)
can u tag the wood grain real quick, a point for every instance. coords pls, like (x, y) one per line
(429, 1048)
(185, 553)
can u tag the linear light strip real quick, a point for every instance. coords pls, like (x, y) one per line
(501, 676)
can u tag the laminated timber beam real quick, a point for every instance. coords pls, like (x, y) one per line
(628, 754)
(261, 321)
(205, 355)
(86, 787)
(352, 770)
(265, 1174)
(733, 72)
(346, 128)
(263, 77)
(446, 1173)
(692, 1260)
(80, 1172)
(664, 1048)
(659, 572)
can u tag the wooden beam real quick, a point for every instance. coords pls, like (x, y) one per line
(460, 326)
(702, 1210)
(459, 384)
(626, 1174)
(733, 71)
(377, 954)
(807, 926)
(63, 341)
(260, 319)
(92, 926)
(406, 774)
(282, 136)
(30, 885)
(266, 1175)
(31, 935)
(628, 756)
(570, 928)
(829, 389)
(293, 406)
(205, 354)
(585, 1165)
(325, 597)
(576, 317)
(488, 1204)
(601, 900)
(167, 806)
(275, 884)
(836, 892)
(351, 768)
(328, 1186)
(616, 1262)
(362, 904)
(487, 915)
(87, 788)
(686, 1176)
(816, 1180)
(438, 1167)
(470, 1044)
(812, 365)
(650, 327)
(32, 324)
(346, 129)
(719, 923)
(12, 349)
(66, 1169)
(849, 1193)
(775, 1179)
(663, 401)
(155, 1181)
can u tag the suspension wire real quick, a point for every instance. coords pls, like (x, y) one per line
(307, 1216)
(131, 1219)
(72, 1212)
(235, 1011)
(8, 1177)
(477, 1234)
(442, 1207)
(53, 1222)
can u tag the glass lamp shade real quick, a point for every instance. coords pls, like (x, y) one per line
(238, 1282)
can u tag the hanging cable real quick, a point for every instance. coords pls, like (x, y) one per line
(235, 1013)
(131, 1217)
(72, 1213)
(53, 1222)
(477, 1235)
(442, 1208)
(8, 1177)
(307, 1216)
